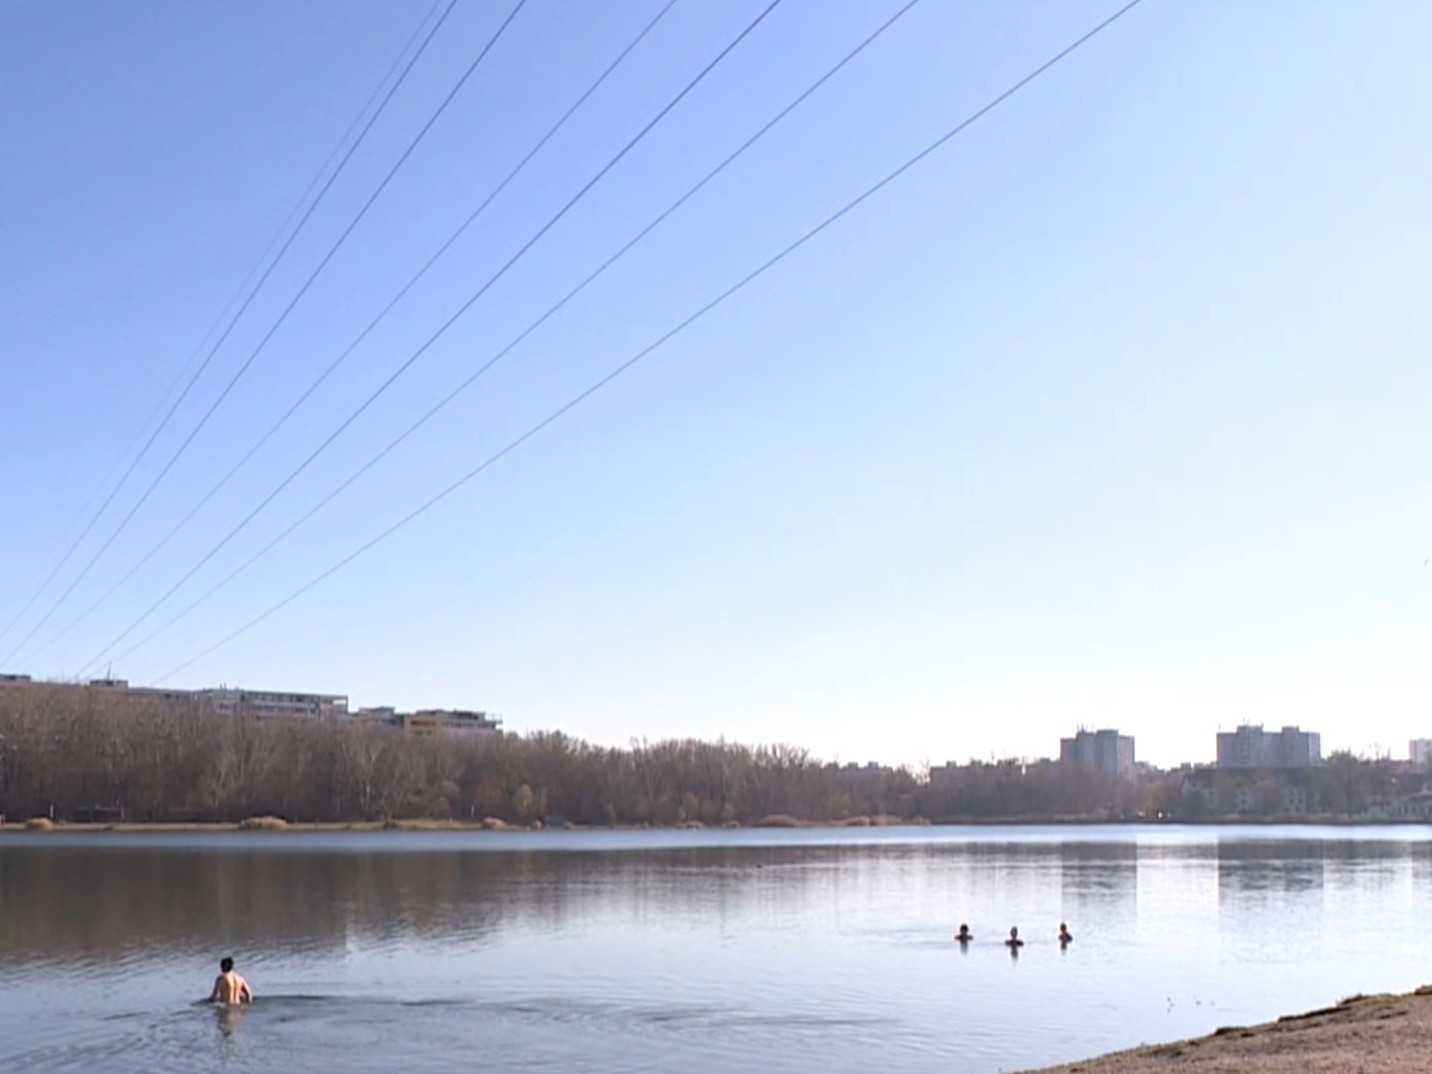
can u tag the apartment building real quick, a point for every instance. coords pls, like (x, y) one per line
(1252, 747)
(1107, 752)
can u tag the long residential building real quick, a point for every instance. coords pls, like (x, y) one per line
(154, 693)
(233, 701)
(1252, 747)
(284, 704)
(429, 722)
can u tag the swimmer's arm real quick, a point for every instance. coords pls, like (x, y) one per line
(215, 993)
(246, 994)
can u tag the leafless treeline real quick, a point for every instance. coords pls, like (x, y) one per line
(1040, 789)
(82, 753)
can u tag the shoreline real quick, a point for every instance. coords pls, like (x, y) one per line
(279, 826)
(1383, 1034)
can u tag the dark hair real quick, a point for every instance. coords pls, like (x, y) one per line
(226, 965)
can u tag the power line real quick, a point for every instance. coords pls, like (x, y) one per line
(263, 342)
(453, 319)
(273, 264)
(681, 326)
(208, 335)
(526, 332)
(383, 313)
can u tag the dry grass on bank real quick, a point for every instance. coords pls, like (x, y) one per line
(780, 820)
(263, 824)
(1366, 1034)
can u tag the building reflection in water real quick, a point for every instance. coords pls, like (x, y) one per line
(1253, 870)
(1098, 888)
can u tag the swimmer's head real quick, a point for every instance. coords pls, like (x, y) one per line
(1014, 932)
(226, 966)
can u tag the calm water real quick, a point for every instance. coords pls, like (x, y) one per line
(688, 951)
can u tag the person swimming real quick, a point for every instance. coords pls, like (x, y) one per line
(964, 935)
(1014, 943)
(230, 989)
(1065, 936)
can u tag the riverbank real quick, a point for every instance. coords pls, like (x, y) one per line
(1370, 1034)
(493, 824)
(488, 824)
(258, 824)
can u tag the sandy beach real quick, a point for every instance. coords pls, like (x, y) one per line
(1365, 1034)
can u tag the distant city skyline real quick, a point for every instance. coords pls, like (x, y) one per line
(1111, 412)
(1109, 750)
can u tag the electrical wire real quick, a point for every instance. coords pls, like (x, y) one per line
(244, 367)
(383, 313)
(681, 326)
(550, 312)
(184, 370)
(461, 310)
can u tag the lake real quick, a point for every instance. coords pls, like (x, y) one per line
(772, 951)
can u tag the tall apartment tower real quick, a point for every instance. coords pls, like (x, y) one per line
(1252, 747)
(1107, 752)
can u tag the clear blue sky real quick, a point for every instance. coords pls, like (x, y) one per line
(1113, 412)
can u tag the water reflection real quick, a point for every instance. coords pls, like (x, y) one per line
(106, 904)
(1255, 869)
(227, 1019)
(102, 904)
(1099, 885)
(112, 905)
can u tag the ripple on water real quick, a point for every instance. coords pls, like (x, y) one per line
(309, 1032)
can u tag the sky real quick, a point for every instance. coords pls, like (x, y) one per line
(1113, 411)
